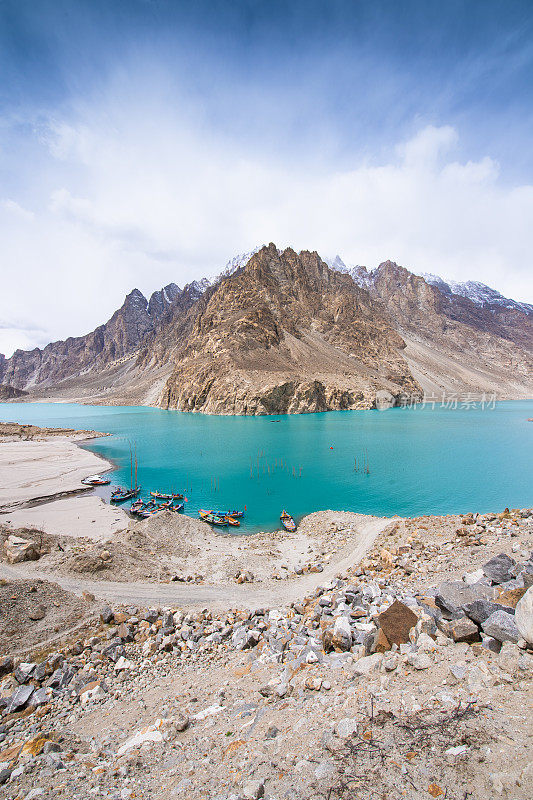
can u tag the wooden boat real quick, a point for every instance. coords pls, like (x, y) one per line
(211, 518)
(166, 495)
(232, 521)
(234, 514)
(136, 506)
(96, 480)
(178, 507)
(120, 495)
(144, 513)
(287, 522)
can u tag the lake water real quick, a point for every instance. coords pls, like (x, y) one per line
(420, 460)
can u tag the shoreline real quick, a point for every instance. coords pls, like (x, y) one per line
(429, 400)
(41, 488)
(103, 513)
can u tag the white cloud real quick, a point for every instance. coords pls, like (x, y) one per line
(140, 199)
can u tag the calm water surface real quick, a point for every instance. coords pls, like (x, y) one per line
(420, 460)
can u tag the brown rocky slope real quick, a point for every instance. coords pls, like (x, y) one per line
(285, 334)
(454, 345)
(281, 332)
(80, 355)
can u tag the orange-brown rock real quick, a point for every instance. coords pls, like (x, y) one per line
(396, 622)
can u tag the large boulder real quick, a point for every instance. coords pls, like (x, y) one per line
(501, 626)
(500, 568)
(524, 616)
(396, 622)
(480, 610)
(19, 699)
(18, 549)
(452, 596)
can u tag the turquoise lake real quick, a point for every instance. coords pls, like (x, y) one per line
(420, 460)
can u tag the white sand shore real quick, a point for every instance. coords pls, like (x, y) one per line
(78, 516)
(36, 470)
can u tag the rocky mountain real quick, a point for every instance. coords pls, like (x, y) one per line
(279, 331)
(460, 338)
(77, 356)
(10, 393)
(285, 334)
(478, 293)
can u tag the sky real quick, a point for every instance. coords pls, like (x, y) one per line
(150, 141)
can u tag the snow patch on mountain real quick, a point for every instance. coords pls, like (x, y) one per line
(234, 264)
(479, 293)
(360, 275)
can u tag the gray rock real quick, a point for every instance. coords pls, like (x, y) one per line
(457, 673)
(40, 698)
(473, 577)
(501, 626)
(490, 643)
(5, 775)
(181, 722)
(367, 664)
(106, 615)
(52, 747)
(37, 612)
(24, 670)
(61, 678)
(453, 595)
(19, 699)
(40, 672)
(460, 630)
(342, 634)
(419, 660)
(499, 568)
(253, 790)
(480, 610)
(390, 662)
(346, 727)
(524, 616)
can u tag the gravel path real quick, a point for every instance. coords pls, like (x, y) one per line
(268, 593)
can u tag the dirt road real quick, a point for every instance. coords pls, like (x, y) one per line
(252, 595)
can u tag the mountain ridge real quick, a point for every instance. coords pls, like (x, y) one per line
(285, 332)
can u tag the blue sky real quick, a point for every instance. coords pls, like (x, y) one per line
(146, 141)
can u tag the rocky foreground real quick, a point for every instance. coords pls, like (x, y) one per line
(377, 684)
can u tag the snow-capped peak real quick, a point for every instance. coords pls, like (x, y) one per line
(337, 264)
(479, 293)
(199, 286)
(360, 275)
(234, 264)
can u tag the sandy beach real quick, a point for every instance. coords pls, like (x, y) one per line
(36, 478)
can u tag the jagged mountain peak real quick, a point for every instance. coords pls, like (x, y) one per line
(235, 263)
(337, 264)
(285, 330)
(198, 287)
(161, 300)
(135, 296)
(476, 291)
